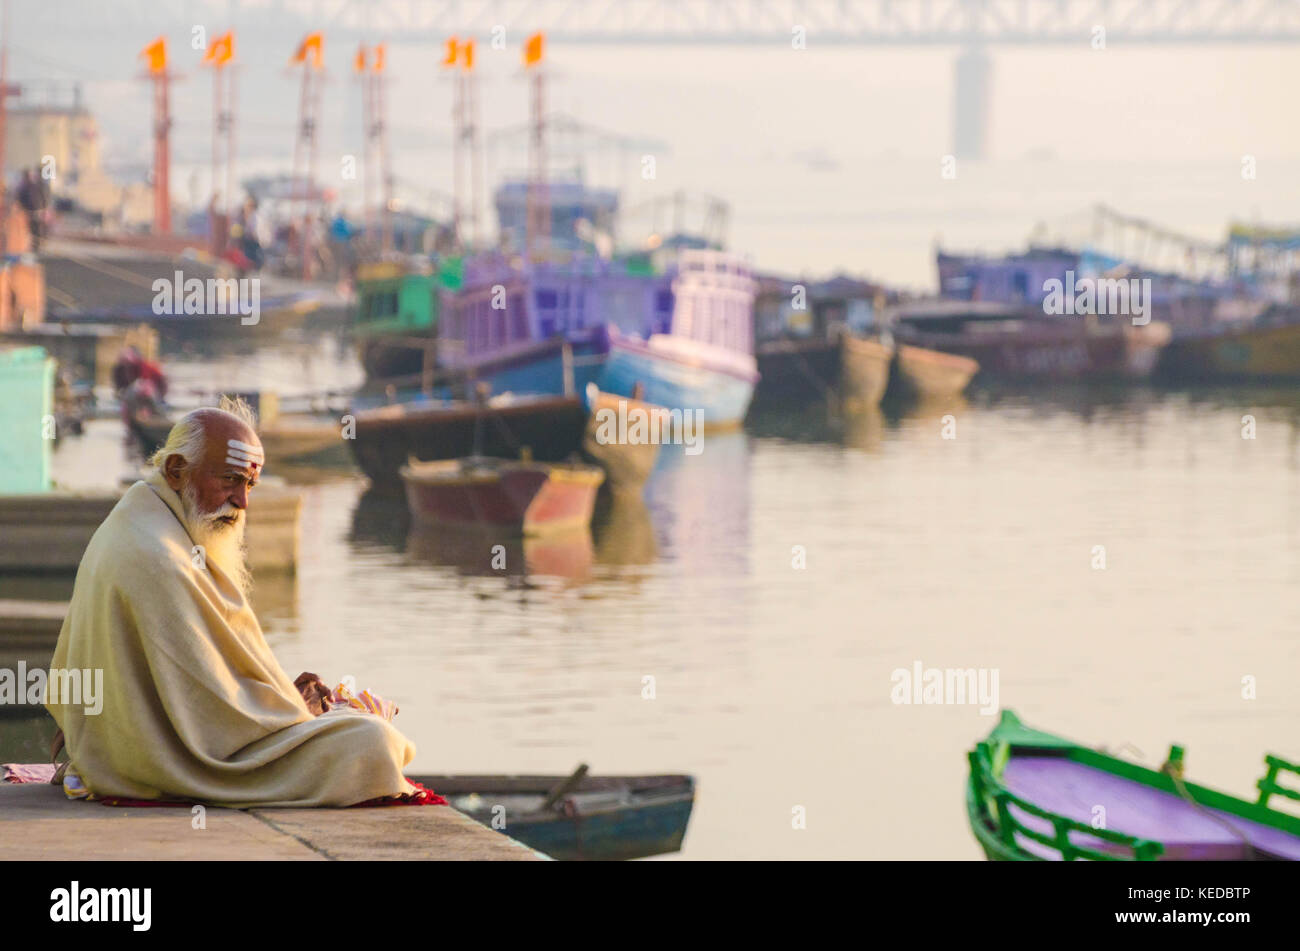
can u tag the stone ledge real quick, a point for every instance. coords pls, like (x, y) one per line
(38, 822)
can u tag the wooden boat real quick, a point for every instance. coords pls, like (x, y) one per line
(1034, 796)
(387, 437)
(797, 370)
(1265, 348)
(931, 374)
(638, 429)
(1020, 342)
(684, 329)
(579, 816)
(522, 498)
(865, 371)
(395, 321)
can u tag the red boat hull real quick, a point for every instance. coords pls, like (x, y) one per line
(513, 498)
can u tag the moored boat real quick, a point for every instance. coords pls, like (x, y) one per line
(623, 436)
(865, 371)
(796, 371)
(1035, 796)
(797, 331)
(578, 817)
(395, 321)
(1024, 343)
(549, 426)
(933, 374)
(522, 498)
(681, 329)
(1266, 347)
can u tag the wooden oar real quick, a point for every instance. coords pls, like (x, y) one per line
(564, 788)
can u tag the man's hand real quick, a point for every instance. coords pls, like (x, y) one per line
(314, 692)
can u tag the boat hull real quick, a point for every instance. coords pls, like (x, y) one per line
(621, 437)
(386, 438)
(1256, 352)
(511, 498)
(543, 367)
(1033, 796)
(931, 374)
(797, 371)
(679, 381)
(604, 818)
(1054, 352)
(865, 372)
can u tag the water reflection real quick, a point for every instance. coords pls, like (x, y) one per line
(773, 680)
(565, 555)
(624, 530)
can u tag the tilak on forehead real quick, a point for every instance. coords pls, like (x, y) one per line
(242, 454)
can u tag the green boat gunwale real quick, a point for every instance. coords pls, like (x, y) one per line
(988, 801)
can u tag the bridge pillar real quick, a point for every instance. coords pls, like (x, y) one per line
(970, 102)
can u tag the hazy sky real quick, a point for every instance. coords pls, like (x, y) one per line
(829, 157)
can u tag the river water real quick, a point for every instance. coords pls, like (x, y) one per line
(771, 586)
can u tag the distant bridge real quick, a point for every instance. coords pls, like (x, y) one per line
(972, 25)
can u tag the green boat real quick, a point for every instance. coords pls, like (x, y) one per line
(1035, 796)
(395, 323)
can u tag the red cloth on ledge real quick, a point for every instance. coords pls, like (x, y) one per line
(421, 797)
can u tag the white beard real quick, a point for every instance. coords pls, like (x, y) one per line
(223, 544)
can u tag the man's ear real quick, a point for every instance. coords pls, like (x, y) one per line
(172, 468)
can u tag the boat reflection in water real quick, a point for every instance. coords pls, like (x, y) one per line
(864, 428)
(484, 553)
(624, 531)
(922, 409)
(700, 506)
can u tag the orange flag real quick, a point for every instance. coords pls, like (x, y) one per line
(380, 52)
(453, 52)
(156, 53)
(469, 56)
(359, 63)
(222, 50)
(310, 44)
(533, 50)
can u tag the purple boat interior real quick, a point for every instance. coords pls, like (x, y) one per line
(1189, 833)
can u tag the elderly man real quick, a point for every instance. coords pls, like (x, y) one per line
(196, 707)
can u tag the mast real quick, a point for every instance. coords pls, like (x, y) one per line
(219, 56)
(464, 145)
(311, 58)
(539, 205)
(156, 54)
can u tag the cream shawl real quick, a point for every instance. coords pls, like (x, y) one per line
(195, 705)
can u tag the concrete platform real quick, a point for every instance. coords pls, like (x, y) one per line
(37, 822)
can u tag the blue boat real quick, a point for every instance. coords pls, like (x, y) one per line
(578, 817)
(675, 330)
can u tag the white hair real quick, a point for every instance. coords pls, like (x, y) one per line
(188, 437)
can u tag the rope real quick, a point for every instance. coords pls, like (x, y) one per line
(1175, 775)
